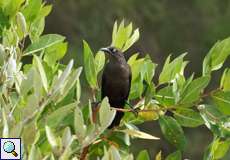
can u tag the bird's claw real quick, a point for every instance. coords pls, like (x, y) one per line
(135, 111)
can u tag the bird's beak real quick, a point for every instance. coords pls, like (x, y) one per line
(106, 50)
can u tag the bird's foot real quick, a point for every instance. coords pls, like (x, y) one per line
(134, 110)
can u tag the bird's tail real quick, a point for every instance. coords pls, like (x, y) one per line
(116, 120)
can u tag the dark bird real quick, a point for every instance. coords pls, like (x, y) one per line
(116, 81)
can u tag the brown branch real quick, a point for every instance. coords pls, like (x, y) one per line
(84, 153)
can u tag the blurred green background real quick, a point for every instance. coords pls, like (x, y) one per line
(166, 27)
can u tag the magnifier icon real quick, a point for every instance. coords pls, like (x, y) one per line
(9, 147)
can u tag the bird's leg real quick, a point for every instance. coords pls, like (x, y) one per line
(134, 110)
(95, 108)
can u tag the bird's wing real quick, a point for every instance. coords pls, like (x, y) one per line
(130, 80)
(103, 83)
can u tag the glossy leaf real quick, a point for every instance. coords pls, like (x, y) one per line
(193, 90)
(188, 117)
(222, 99)
(225, 85)
(172, 132)
(216, 56)
(174, 156)
(172, 68)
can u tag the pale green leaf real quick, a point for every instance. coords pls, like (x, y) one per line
(55, 53)
(43, 42)
(79, 126)
(99, 61)
(5, 131)
(56, 117)
(51, 138)
(158, 156)
(106, 114)
(170, 69)
(89, 66)
(131, 40)
(139, 134)
(60, 82)
(41, 72)
(71, 81)
(143, 155)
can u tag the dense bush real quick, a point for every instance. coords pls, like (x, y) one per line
(41, 101)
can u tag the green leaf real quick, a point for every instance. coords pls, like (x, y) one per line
(216, 56)
(99, 61)
(41, 72)
(106, 114)
(31, 11)
(5, 130)
(4, 21)
(36, 29)
(71, 81)
(217, 149)
(193, 90)
(188, 117)
(225, 85)
(170, 69)
(34, 153)
(222, 149)
(211, 115)
(43, 42)
(79, 126)
(149, 68)
(122, 36)
(139, 134)
(60, 82)
(222, 100)
(136, 88)
(172, 132)
(131, 40)
(56, 117)
(158, 156)
(12, 7)
(66, 137)
(143, 155)
(55, 53)
(89, 66)
(174, 156)
(165, 96)
(51, 138)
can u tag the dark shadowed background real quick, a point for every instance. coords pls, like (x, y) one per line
(166, 27)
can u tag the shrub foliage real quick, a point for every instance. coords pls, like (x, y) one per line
(41, 101)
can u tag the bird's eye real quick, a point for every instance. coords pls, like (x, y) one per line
(114, 50)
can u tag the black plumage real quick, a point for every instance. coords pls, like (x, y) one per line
(116, 81)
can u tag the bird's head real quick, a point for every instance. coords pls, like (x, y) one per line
(113, 53)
